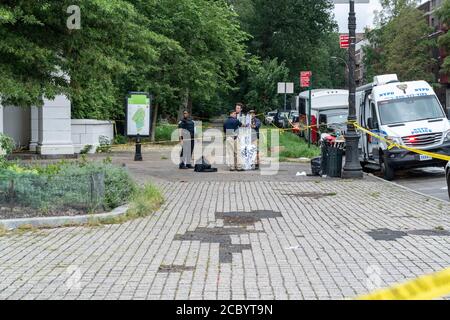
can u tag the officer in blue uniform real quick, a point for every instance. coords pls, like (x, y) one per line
(186, 128)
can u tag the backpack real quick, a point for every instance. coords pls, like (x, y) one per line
(204, 166)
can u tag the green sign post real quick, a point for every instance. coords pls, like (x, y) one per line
(138, 118)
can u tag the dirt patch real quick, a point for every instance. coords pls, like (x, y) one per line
(173, 268)
(27, 212)
(313, 195)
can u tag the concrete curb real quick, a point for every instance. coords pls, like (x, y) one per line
(409, 189)
(54, 222)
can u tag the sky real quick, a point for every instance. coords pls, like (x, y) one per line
(364, 15)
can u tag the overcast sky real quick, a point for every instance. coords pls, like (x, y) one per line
(364, 15)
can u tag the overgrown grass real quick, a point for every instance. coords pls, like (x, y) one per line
(145, 201)
(292, 146)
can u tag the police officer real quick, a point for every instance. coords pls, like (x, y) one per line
(186, 128)
(230, 128)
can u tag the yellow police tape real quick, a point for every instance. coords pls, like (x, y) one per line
(426, 287)
(392, 144)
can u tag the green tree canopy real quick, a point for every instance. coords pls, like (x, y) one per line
(401, 45)
(444, 40)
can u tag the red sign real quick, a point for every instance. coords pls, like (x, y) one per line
(305, 79)
(344, 41)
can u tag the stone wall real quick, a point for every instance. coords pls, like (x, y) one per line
(88, 132)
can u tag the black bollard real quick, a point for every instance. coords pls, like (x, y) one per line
(138, 153)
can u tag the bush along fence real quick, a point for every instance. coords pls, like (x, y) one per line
(63, 189)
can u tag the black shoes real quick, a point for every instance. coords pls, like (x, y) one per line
(188, 166)
(183, 166)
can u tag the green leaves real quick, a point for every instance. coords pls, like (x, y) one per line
(262, 84)
(165, 47)
(444, 41)
(401, 45)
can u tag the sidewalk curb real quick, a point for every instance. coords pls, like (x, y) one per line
(54, 222)
(409, 189)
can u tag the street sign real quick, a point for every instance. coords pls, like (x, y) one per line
(285, 87)
(344, 41)
(305, 79)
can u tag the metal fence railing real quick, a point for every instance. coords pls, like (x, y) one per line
(22, 194)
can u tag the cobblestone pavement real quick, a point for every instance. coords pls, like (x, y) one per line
(239, 238)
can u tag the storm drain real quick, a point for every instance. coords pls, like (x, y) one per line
(393, 235)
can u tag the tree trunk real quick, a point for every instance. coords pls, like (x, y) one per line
(189, 105)
(184, 105)
(154, 118)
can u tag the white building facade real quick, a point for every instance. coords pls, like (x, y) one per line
(49, 130)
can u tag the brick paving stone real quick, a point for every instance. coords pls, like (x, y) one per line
(316, 249)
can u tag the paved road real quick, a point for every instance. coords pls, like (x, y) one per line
(238, 236)
(429, 181)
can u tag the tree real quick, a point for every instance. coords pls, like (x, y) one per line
(262, 81)
(177, 50)
(289, 30)
(444, 40)
(401, 46)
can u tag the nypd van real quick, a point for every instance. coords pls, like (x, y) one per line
(407, 113)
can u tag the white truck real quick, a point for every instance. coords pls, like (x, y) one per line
(328, 107)
(407, 113)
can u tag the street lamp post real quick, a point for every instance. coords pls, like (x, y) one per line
(346, 68)
(352, 167)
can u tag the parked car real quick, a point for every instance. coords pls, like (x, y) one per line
(268, 117)
(283, 120)
(447, 174)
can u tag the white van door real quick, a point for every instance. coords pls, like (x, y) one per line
(369, 120)
(374, 143)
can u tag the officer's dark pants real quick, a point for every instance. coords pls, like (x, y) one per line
(187, 150)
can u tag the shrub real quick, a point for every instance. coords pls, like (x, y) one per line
(79, 185)
(163, 132)
(120, 139)
(105, 145)
(7, 144)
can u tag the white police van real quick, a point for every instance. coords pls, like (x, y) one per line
(409, 114)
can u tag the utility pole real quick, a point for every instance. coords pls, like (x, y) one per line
(352, 168)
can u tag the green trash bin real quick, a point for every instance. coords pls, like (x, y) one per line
(334, 156)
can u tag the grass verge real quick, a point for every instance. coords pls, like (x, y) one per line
(144, 201)
(291, 145)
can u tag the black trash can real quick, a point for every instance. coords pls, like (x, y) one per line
(334, 161)
(332, 154)
(324, 158)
